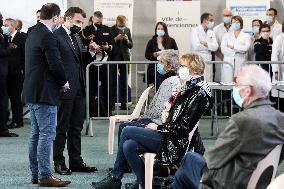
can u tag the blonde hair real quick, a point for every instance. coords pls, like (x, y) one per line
(195, 63)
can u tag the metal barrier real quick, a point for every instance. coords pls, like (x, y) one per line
(108, 63)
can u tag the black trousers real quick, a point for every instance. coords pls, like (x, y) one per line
(123, 84)
(105, 97)
(14, 89)
(70, 120)
(3, 102)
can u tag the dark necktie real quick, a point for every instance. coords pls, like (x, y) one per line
(10, 39)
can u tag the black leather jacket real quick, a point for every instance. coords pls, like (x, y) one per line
(183, 116)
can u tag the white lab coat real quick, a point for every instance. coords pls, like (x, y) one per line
(278, 55)
(220, 30)
(198, 34)
(275, 30)
(251, 53)
(236, 56)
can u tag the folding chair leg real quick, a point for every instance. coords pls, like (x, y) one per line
(91, 128)
(149, 163)
(111, 130)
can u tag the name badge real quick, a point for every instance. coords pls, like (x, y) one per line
(105, 33)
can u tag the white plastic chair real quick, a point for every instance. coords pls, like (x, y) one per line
(149, 162)
(120, 118)
(272, 159)
(277, 183)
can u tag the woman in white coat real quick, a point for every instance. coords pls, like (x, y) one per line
(278, 69)
(235, 46)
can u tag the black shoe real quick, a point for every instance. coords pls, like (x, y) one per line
(134, 185)
(126, 170)
(62, 169)
(109, 182)
(14, 125)
(82, 167)
(6, 133)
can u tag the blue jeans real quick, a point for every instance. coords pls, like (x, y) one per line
(138, 123)
(43, 129)
(188, 176)
(133, 142)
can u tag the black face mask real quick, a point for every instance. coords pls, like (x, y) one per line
(1, 22)
(98, 26)
(75, 29)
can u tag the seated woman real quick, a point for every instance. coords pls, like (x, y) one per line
(167, 68)
(170, 139)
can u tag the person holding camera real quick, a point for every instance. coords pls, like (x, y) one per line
(121, 44)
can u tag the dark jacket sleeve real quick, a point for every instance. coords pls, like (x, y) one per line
(259, 47)
(188, 119)
(49, 45)
(149, 50)
(174, 44)
(130, 43)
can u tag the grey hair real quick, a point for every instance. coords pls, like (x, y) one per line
(12, 21)
(258, 78)
(171, 56)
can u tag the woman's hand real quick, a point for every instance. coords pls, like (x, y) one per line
(152, 126)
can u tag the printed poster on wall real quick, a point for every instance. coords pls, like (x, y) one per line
(180, 18)
(112, 8)
(26, 10)
(249, 10)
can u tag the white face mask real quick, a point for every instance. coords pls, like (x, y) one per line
(183, 73)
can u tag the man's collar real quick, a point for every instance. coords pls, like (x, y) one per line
(48, 27)
(260, 102)
(66, 29)
(13, 34)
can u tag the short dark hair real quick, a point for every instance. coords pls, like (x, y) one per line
(49, 10)
(273, 9)
(257, 20)
(205, 16)
(38, 11)
(98, 14)
(264, 26)
(72, 11)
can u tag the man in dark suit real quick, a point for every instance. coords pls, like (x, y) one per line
(44, 78)
(71, 108)
(5, 52)
(37, 20)
(15, 76)
(121, 44)
(100, 34)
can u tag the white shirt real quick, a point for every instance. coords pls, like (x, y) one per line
(241, 43)
(220, 30)
(276, 29)
(198, 34)
(278, 53)
(13, 35)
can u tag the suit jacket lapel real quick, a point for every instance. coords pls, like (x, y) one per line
(68, 40)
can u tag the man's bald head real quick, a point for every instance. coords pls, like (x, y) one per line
(227, 12)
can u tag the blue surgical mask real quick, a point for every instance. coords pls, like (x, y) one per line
(160, 33)
(183, 73)
(5, 30)
(237, 97)
(210, 25)
(236, 26)
(255, 29)
(160, 69)
(227, 19)
(269, 19)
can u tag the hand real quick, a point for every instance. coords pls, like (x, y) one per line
(119, 37)
(66, 87)
(125, 37)
(230, 46)
(105, 47)
(94, 47)
(152, 126)
(203, 43)
(12, 46)
(155, 54)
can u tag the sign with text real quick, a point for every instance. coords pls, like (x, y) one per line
(249, 10)
(112, 8)
(180, 18)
